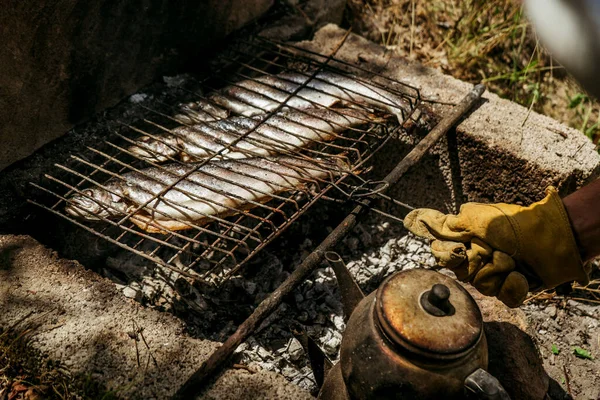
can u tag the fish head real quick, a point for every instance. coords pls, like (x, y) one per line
(94, 204)
(155, 149)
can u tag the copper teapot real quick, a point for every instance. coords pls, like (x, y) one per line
(419, 336)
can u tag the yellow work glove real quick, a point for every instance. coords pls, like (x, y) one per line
(504, 250)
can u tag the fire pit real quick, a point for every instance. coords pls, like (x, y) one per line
(216, 273)
(218, 247)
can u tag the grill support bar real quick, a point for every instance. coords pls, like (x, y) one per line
(220, 356)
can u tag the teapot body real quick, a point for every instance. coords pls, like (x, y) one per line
(419, 336)
(373, 367)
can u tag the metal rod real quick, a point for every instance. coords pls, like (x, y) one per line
(220, 356)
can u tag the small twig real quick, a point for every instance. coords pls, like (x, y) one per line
(535, 296)
(148, 347)
(582, 299)
(244, 367)
(135, 340)
(567, 380)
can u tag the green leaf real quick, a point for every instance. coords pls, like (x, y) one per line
(581, 353)
(577, 99)
(555, 349)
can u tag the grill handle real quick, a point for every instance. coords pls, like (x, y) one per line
(481, 385)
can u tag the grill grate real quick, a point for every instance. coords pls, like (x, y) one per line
(219, 246)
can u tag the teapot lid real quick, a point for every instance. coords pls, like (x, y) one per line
(428, 313)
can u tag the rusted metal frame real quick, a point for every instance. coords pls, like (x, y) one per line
(288, 46)
(292, 219)
(311, 61)
(241, 173)
(207, 250)
(220, 356)
(216, 218)
(351, 101)
(254, 155)
(109, 206)
(78, 184)
(131, 213)
(191, 195)
(114, 175)
(271, 142)
(123, 228)
(232, 83)
(358, 79)
(258, 226)
(215, 243)
(105, 237)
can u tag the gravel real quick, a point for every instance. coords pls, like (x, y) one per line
(376, 249)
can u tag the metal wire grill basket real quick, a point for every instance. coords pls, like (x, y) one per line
(216, 247)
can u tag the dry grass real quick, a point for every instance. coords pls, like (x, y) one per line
(479, 41)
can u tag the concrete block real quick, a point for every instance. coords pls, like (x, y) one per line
(500, 152)
(81, 321)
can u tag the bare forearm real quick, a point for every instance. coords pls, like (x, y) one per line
(583, 207)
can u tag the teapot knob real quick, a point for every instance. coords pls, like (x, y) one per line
(436, 301)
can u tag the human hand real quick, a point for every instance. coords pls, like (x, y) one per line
(504, 250)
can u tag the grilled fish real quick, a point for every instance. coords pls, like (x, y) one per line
(216, 189)
(263, 94)
(285, 131)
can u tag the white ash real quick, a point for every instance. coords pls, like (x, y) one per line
(176, 81)
(139, 98)
(374, 250)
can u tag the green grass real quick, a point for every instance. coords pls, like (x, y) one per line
(487, 41)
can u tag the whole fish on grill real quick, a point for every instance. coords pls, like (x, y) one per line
(282, 132)
(263, 94)
(216, 189)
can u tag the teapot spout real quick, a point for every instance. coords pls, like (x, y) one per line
(349, 289)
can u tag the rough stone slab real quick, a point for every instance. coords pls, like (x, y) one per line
(500, 152)
(63, 61)
(82, 321)
(513, 356)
